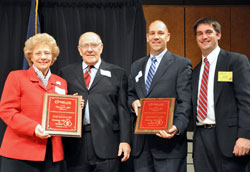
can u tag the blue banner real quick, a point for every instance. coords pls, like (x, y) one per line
(33, 26)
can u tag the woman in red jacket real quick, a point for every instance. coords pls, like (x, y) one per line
(25, 146)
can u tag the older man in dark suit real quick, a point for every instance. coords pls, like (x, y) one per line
(167, 150)
(221, 104)
(106, 125)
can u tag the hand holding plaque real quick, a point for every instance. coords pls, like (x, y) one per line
(154, 115)
(62, 115)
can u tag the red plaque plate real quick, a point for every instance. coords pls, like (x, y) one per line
(62, 115)
(154, 115)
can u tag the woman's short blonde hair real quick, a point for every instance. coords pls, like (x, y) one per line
(41, 39)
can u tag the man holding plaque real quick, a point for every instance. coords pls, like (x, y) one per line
(106, 125)
(221, 104)
(161, 75)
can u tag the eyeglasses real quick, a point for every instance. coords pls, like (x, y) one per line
(87, 46)
(40, 54)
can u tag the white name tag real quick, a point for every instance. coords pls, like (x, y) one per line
(105, 73)
(138, 76)
(60, 90)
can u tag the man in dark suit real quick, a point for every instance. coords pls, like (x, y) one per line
(167, 150)
(106, 119)
(221, 104)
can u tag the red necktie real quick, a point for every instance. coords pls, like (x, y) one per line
(87, 76)
(202, 103)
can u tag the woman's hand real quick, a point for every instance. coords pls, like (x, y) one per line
(39, 132)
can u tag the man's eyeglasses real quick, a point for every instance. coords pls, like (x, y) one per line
(87, 46)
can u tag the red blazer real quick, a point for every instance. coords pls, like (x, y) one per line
(21, 109)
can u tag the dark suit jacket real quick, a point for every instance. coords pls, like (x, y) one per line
(172, 79)
(109, 114)
(231, 100)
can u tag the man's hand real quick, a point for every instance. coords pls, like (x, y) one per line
(136, 105)
(125, 149)
(82, 101)
(241, 147)
(39, 132)
(169, 133)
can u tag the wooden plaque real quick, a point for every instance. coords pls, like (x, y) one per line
(154, 115)
(62, 115)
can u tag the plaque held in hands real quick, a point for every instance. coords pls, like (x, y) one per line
(154, 115)
(62, 115)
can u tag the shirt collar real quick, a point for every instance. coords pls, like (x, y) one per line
(40, 74)
(97, 65)
(159, 56)
(212, 56)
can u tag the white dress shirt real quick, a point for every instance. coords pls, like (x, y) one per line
(212, 58)
(94, 69)
(158, 58)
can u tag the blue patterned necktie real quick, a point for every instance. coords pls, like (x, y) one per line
(151, 73)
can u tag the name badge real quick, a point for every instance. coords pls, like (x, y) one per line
(60, 90)
(225, 76)
(105, 73)
(138, 76)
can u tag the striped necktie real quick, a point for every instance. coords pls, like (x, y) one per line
(151, 73)
(202, 103)
(87, 76)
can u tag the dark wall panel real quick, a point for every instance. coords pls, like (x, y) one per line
(221, 14)
(173, 16)
(196, 2)
(240, 30)
(216, 2)
(234, 21)
(163, 2)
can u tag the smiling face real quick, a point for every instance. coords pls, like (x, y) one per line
(157, 37)
(207, 38)
(90, 48)
(42, 57)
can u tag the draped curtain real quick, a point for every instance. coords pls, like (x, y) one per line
(120, 23)
(13, 27)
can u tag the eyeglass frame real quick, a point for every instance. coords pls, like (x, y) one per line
(91, 45)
